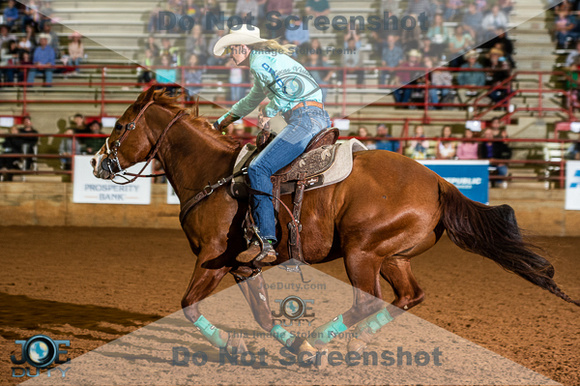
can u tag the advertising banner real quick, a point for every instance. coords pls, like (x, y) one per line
(89, 189)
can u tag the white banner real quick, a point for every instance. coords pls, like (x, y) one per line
(573, 185)
(89, 189)
(171, 196)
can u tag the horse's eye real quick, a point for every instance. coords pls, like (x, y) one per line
(118, 126)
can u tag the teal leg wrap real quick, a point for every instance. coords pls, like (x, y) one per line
(327, 332)
(211, 332)
(282, 335)
(374, 322)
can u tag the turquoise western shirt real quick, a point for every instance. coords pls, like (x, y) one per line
(280, 78)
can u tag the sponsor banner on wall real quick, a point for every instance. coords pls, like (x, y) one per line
(89, 189)
(470, 177)
(171, 196)
(573, 185)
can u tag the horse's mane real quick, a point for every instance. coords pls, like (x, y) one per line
(201, 124)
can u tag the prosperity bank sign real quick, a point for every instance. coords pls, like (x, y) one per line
(573, 185)
(89, 189)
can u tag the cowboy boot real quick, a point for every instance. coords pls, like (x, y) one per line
(259, 250)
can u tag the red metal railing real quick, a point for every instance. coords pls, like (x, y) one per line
(543, 165)
(342, 98)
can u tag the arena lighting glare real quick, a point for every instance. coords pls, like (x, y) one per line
(473, 125)
(575, 127)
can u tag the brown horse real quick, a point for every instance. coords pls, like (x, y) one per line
(387, 211)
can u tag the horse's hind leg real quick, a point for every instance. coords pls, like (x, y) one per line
(367, 298)
(397, 271)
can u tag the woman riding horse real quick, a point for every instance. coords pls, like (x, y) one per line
(294, 93)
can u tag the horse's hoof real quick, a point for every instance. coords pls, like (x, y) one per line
(356, 345)
(306, 353)
(236, 345)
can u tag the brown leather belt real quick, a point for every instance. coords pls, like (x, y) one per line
(308, 103)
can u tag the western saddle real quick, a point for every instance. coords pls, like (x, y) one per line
(305, 167)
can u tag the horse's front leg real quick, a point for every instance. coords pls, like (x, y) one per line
(256, 293)
(203, 282)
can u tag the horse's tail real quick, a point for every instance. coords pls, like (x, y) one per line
(492, 231)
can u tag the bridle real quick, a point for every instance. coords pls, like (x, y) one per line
(111, 161)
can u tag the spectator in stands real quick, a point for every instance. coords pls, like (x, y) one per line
(11, 14)
(245, 8)
(417, 7)
(66, 149)
(565, 25)
(11, 145)
(297, 34)
(94, 144)
(467, 150)
(151, 45)
(426, 49)
(503, 43)
(471, 78)
(213, 60)
(492, 21)
(495, 150)
(196, 45)
(392, 56)
(573, 55)
(495, 126)
(167, 49)
(28, 143)
(363, 133)
(193, 78)
(472, 21)
(439, 77)
(481, 5)
(53, 41)
(236, 77)
(382, 143)
(284, 9)
(352, 58)
(167, 75)
(317, 8)
(76, 50)
(506, 6)
(145, 74)
(452, 8)
(438, 35)
(28, 41)
(498, 77)
(212, 11)
(406, 75)
(192, 10)
(459, 43)
(25, 60)
(446, 149)
(322, 77)
(78, 124)
(417, 149)
(5, 35)
(9, 56)
(44, 57)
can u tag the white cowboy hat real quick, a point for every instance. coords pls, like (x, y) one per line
(239, 34)
(45, 36)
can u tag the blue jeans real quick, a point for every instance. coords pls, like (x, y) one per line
(47, 74)
(303, 124)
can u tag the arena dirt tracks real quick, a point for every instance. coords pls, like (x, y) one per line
(93, 285)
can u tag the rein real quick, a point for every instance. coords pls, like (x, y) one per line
(113, 150)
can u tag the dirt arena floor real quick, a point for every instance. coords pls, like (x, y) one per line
(95, 285)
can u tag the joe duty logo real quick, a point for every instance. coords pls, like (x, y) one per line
(294, 311)
(40, 352)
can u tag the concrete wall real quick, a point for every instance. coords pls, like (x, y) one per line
(50, 204)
